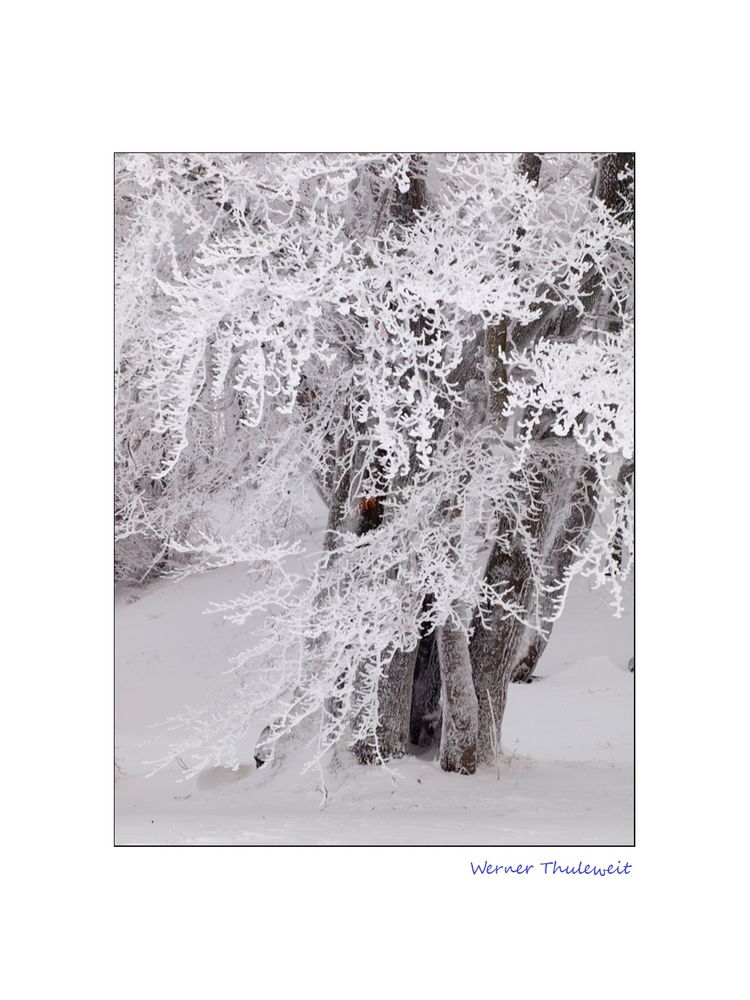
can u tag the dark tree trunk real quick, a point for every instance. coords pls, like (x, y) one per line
(614, 186)
(614, 189)
(568, 534)
(342, 480)
(496, 337)
(458, 739)
(394, 687)
(529, 657)
(424, 724)
(394, 706)
(624, 477)
(507, 648)
(497, 649)
(493, 649)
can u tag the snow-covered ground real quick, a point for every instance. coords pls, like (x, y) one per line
(566, 776)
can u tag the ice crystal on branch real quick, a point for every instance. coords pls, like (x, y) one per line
(435, 351)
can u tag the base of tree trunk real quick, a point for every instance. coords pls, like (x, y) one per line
(461, 763)
(262, 752)
(366, 752)
(458, 739)
(424, 723)
(394, 696)
(524, 669)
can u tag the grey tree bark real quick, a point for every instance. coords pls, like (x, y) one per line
(507, 648)
(424, 723)
(567, 535)
(494, 647)
(458, 739)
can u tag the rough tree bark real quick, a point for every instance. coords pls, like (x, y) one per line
(568, 535)
(504, 649)
(424, 722)
(618, 197)
(624, 478)
(496, 337)
(458, 738)
(494, 648)
(475, 675)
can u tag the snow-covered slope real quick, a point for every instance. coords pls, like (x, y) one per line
(566, 776)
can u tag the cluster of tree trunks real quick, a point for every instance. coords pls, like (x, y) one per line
(451, 688)
(473, 675)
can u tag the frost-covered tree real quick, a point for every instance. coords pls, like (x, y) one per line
(438, 348)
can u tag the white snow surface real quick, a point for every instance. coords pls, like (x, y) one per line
(565, 777)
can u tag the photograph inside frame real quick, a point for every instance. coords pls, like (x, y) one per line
(374, 472)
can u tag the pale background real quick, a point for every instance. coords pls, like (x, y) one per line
(83, 80)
